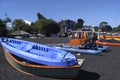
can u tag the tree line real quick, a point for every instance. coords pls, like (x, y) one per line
(46, 26)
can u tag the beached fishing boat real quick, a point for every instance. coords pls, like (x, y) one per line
(108, 42)
(112, 40)
(77, 48)
(38, 53)
(102, 47)
(102, 36)
(32, 68)
(93, 47)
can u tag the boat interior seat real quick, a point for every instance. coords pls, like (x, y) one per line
(39, 53)
(52, 55)
(11, 43)
(38, 47)
(14, 41)
(56, 56)
(27, 47)
(22, 45)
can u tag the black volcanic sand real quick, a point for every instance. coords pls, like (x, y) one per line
(105, 66)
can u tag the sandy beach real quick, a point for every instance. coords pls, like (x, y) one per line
(104, 66)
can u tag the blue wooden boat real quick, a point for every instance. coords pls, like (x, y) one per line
(85, 51)
(68, 46)
(94, 46)
(102, 47)
(75, 48)
(38, 53)
(31, 68)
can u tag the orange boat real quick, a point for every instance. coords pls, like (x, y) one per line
(107, 43)
(82, 38)
(101, 36)
(78, 41)
(109, 40)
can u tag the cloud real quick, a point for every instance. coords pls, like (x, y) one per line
(28, 22)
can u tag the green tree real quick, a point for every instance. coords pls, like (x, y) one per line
(36, 26)
(19, 24)
(118, 28)
(7, 20)
(108, 28)
(40, 16)
(104, 26)
(115, 29)
(80, 23)
(2, 28)
(50, 27)
(46, 26)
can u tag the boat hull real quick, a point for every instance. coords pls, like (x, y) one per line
(42, 70)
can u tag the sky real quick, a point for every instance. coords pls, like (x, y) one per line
(91, 11)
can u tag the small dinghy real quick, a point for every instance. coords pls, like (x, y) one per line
(38, 53)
